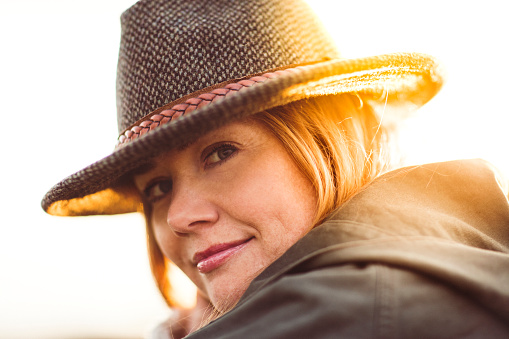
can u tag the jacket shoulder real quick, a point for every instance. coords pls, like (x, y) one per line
(356, 301)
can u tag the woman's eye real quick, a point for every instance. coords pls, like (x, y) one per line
(157, 190)
(220, 154)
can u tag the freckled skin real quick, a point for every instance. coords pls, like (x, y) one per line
(248, 189)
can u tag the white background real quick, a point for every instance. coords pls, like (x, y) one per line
(89, 277)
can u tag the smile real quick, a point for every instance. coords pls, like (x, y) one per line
(216, 255)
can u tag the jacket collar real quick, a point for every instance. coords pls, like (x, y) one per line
(456, 201)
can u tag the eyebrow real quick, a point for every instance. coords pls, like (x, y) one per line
(186, 145)
(142, 169)
(247, 121)
(150, 164)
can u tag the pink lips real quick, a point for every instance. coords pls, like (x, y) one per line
(216, 255)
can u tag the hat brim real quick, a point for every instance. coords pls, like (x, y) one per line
(396, 84)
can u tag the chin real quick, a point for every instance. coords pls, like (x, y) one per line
(228, 284)
(224, 300)
(226, 292)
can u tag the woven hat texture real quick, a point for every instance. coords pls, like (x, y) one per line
(172, 48)
(188, 66)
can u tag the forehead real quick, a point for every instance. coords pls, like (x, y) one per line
(246, 132)
(236, 128)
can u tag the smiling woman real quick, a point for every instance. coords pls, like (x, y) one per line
(229, 215)
(263, 164)
(275, 185)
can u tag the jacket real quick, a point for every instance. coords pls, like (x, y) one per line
(422, 252)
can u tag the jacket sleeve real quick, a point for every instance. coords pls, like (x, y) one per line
(356, 301)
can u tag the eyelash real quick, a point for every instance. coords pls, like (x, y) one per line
(148, 192)
(216, 149)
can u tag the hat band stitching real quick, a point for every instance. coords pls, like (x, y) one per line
(192, 104)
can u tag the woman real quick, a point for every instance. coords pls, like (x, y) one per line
(257, 156)
(288, 185)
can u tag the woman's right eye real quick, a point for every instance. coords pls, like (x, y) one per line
(157, 190)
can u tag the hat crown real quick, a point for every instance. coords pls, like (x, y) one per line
(171, 48)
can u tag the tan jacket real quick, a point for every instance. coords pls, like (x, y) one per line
(422, 252)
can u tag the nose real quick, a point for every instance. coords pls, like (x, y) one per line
(190, 210)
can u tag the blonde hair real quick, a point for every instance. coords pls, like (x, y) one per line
(338, 145)
(336, 141)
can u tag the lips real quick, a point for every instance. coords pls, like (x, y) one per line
(214, 256)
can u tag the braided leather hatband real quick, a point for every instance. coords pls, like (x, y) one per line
(155, 120)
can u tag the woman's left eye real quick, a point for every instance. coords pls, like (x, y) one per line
(220, 154)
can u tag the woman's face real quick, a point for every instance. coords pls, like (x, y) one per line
(228, 205)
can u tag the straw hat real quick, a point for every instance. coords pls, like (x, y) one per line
(187, 67)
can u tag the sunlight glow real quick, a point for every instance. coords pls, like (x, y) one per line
(89, 276)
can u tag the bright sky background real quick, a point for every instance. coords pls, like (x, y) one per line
(89, 277)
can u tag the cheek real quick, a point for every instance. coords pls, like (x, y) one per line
(174, 249)
(274, 197)
(165, 238)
